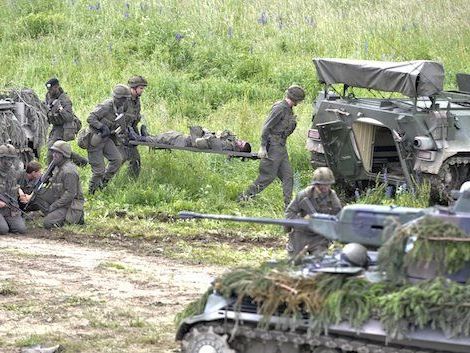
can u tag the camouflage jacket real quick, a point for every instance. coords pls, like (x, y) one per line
(133, 116)
(309, 201)
(9, 183)
(173, 138)
(59, 109)
(280, 123)
(64, 188)
(105, 114)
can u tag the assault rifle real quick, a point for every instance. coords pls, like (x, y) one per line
(41, 183)
(10, 202)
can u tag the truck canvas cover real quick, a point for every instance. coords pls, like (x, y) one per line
(410, 78)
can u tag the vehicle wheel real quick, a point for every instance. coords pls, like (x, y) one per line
(324, 350)
(205, 340)
(453, 173)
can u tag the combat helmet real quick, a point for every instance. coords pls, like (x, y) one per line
(355, 254)
(121, 91)
(136, 81)
(323, 176)
(8, 150)
(295, 93)
(62, 147)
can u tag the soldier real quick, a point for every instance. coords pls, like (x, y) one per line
(316, 198)
(130, 153)
(64, 122)
(10, 214)
(62, 201)
(106, 121)
(280, 123)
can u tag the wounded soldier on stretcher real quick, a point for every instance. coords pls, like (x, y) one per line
(198, 138)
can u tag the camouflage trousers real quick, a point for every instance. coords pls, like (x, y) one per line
(11, 221)
(102, 174)
(57, 133)
(277, 165)
(63, 215)
(131, 154)
(300, 240)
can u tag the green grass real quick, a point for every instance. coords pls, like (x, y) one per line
(220, 64)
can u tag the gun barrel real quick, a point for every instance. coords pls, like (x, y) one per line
(294, 223)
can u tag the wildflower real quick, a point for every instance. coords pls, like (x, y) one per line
(310, 21)
(96, 7)
(179, 36)
(263, 19)
(230, 32)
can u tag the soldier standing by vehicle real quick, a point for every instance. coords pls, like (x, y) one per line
(10, 214)
(62, 200)
(106, 121)
(130, 153)
(316, 198)
(280, 123)
(64, 122)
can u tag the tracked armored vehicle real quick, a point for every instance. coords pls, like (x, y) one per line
(23, 122)
(403, 130)
(411, 296)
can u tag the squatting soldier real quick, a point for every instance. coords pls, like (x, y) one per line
(280, 123)
(60, 114)
(106, 121)
(316, 198)
(62, 201)
(130, 153)
(10, 214)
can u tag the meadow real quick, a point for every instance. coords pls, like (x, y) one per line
(220, 64)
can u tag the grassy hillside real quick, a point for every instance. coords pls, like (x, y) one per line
(217, 63)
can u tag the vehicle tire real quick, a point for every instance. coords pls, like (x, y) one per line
(203, 339)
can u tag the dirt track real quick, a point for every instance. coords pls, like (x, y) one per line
(91, 298)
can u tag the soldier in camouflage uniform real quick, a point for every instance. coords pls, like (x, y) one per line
(104, 140)
(62, 201)
(280, 123)
(10, 216)
(62, 118)
(316, 198)
(130, 153)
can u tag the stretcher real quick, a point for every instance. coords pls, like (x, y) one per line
(249, 155)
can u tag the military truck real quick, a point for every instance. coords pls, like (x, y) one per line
(23, 121)
(412, 296)
(406, 129)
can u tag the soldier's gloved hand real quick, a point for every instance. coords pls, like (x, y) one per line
(104, 130)
(262, 153)
(132, 134)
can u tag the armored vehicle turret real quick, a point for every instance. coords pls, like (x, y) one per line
(410, 296)
(412, 130)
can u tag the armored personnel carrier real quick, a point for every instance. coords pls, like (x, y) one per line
(391, 122)
(413, 295)
(23, 121)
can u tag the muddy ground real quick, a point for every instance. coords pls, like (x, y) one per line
(92, 296)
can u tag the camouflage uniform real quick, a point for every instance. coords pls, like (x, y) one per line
(104, 114)
(60, 115)
(278, 126)
(130, 152)
(307, 202)
(10, 219)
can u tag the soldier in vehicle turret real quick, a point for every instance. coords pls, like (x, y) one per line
(130, 153)
(60, 115)
(274, 162)
(316, 198)
(107, 124)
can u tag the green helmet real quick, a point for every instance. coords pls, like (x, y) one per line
(295, 93)
(355, 254)
(62, 147)
(8, 150)
(323, 176)
(136, 81)
(121, 91)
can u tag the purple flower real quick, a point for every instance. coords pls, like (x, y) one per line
(126, 14)
(179, 36)
(263, 19)
(230, 32)
(96, 7)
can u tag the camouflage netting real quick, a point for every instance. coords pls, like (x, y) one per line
(333, 298)
(28, 131)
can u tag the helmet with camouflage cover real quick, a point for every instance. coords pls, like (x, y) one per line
(8, 150)
(323, 176)
(121, 91)
(295, 93)
(136, 81)
(62, 147)
(355, 254)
